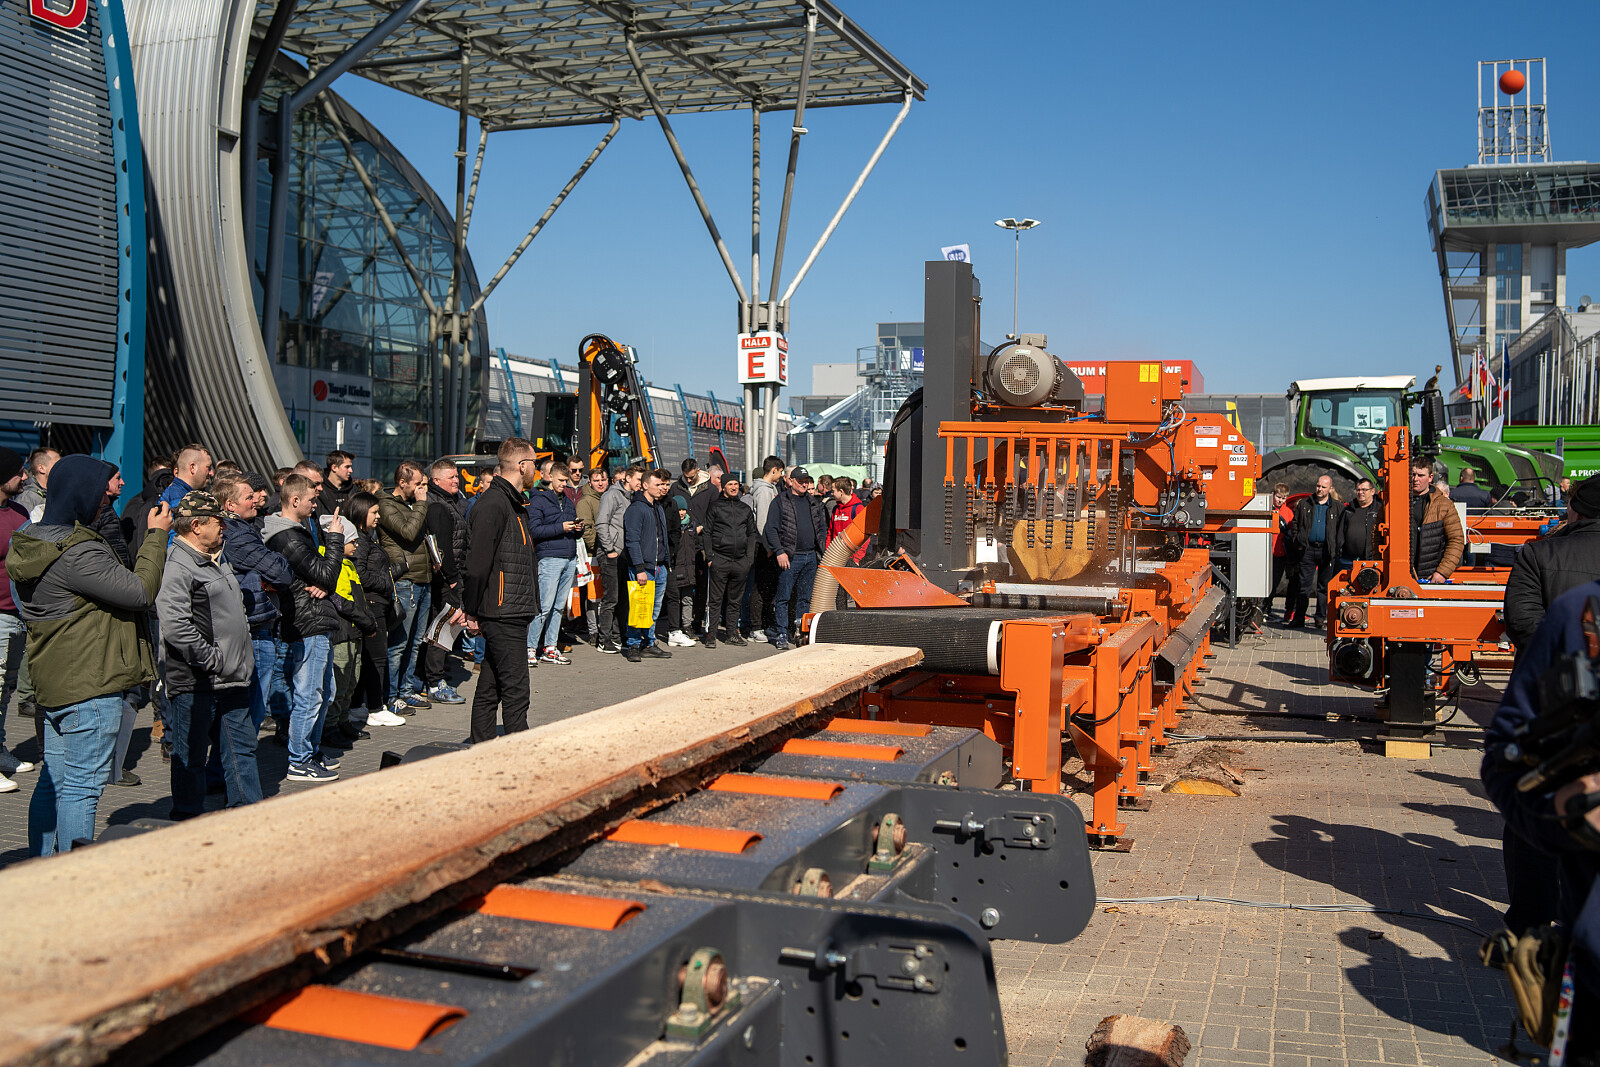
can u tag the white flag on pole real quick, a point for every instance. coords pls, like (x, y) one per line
(959, 253)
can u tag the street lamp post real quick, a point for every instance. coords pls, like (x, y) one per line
(1016, 226)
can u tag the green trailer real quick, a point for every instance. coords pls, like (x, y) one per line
(1339, 425)
(1577, 446)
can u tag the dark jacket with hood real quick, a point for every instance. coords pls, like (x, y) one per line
(303, 614)
(501, 580)
(1546, 568)
(644, 535)
(84, 610)
(261, 572)
(730, 532)
(109, 526)
(548, 510)
(377, 577)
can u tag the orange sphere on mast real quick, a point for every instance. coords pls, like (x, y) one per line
(1512, 82)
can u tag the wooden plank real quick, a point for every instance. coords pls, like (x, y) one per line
(191, 924)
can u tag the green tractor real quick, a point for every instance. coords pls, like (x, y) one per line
(1339, 425)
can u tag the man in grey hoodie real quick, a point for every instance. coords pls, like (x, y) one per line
(761, 588)
(207, 660)
(609, 536)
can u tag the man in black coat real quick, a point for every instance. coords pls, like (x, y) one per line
(307, 621)
(729, 540)
(447, 509)
(1314, 532)
(796, 534)
(1548, 567)
(1358, 525)
(501, 591)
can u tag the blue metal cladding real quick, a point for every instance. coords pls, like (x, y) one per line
(63, 277)
(125, 445)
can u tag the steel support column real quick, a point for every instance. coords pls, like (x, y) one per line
(453, 366)
(283, 171)
(688, 174)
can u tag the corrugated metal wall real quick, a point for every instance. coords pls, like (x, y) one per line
(208, 378)
(58, 215)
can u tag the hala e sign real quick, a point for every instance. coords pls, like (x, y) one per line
(763, 358)
(70, 19)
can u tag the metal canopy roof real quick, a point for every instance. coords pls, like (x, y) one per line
(536, 63)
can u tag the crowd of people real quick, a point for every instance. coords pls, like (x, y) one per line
(1318, 535)
(303, 606)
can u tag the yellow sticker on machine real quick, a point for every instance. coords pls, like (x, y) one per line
(1149, 372)
(1249, 488)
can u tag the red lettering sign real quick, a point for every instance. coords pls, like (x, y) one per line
(756, 364)
(70, 19)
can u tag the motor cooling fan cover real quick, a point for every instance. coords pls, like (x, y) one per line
(1023, 375)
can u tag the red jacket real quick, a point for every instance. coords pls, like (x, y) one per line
(842, 515)
(1280, 541)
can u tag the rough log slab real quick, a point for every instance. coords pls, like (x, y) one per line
(191, 924)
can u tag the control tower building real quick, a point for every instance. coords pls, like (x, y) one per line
(1501, 227)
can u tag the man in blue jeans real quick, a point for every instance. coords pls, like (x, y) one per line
(554, 527)
(796, 533)
(207, 659)
(87, 643)
(308, 618)
(644, 539)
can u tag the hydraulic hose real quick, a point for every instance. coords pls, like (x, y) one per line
(826, 587)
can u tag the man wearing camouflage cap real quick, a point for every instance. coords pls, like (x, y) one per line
(207, 659)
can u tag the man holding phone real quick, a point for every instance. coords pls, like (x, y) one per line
(554, 527)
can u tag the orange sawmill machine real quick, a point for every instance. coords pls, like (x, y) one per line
(1048, 555)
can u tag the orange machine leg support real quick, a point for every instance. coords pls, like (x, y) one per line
(1030, 667)
(1106, 751)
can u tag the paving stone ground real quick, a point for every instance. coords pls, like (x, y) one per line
(1322, 821)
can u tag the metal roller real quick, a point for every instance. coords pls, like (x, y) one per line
(1094, 605)
(959, 640)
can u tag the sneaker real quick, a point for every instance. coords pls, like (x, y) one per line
(384, 718)
(633, 655)
(444, 694)
(657, 652)
(759, 635)
(417, 701)
(679, 639)
(781, 644)
(735, 639)
(400, 707)
(10, 764)
(8, 786)
(330, 760)
(352, 733)
(310, 772)
(129, 779)
(709, 642)
(608, 648)
(337, 739)
(553, 656)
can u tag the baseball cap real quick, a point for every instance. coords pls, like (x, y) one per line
(800, 474)
(199, 504)
(347, 529)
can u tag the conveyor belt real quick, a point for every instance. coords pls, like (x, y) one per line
(1094, 605)
(960, 640)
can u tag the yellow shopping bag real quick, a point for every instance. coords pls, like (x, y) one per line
(641, 604)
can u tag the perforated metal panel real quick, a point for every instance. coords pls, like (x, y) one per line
(58, 221)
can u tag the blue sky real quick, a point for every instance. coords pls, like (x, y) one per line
(1238, 184)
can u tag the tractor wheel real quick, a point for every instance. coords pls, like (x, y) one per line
(1302, 477)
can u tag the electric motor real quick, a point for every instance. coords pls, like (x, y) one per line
(1025, 376)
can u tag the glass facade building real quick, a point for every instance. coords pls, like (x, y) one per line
(353, 321)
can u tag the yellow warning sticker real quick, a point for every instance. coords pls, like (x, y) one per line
(1149, 372)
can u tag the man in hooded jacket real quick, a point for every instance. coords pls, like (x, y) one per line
(88, 646)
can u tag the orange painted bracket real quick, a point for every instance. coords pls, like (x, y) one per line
(892, 589)
(870, 726)
(560, 909)
(768, 786)
(389, 1022)
(801, 746)
(673, 835)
